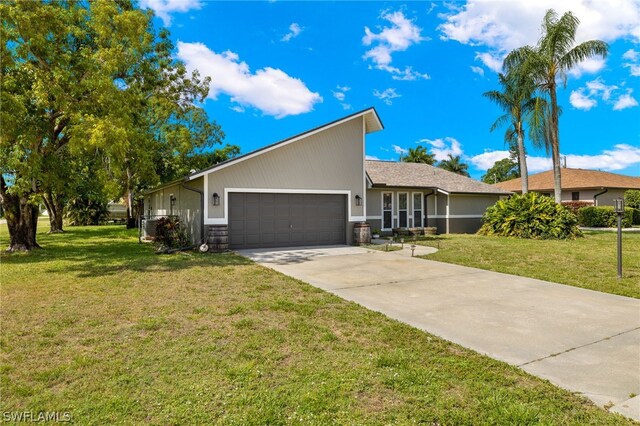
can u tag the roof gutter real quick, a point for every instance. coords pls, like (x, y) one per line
(595, 201)
(199, 191)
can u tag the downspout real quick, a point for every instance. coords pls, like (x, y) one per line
(201, 209)
(595, 201)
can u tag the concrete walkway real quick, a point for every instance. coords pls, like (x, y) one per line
(582, 340)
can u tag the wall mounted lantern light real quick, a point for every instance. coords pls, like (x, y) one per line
(358, 200)
(216, 199)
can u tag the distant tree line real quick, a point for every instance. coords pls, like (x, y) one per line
(451, 163)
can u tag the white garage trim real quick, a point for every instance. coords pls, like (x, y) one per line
(225, 220)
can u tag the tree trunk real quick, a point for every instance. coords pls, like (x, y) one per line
(131, 222)
(555, 146)
(55, 207)
(522, 159)
(22, 219)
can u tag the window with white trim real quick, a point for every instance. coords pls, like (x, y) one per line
(417, 210)
(403, 201)
(387, 210)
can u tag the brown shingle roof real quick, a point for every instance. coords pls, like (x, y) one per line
(574, 179)
(414, 175)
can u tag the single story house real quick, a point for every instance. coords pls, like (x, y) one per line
(591, 186)
(312, 188)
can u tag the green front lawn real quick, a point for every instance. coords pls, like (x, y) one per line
(98, 326)
(589, 262)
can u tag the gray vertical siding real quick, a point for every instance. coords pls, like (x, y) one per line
(332, 159)
(187, 205)
(473, 205)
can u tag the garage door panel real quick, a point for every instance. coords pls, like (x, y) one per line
(279, 220)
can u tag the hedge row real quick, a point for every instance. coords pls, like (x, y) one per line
(605, 216)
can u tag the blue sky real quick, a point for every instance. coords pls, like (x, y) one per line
(279, 68)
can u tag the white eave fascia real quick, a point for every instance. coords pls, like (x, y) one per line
(442, 190)
(288, 141)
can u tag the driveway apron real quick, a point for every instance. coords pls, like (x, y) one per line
(582, 340)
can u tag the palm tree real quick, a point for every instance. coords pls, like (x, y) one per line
(518, 102)
(419, 155)
(455, 165)
(553, 56)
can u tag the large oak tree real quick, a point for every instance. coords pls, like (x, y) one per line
(85, 77)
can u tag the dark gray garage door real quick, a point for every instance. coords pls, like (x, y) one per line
(286, 220)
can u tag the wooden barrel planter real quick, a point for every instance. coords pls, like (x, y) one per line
(362, 233)
(218, 238)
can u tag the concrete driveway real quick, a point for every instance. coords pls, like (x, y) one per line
(582, 340)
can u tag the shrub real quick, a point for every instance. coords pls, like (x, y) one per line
(530, 216)
(632, 198)
(171, 233)
(574, 206)
(635, 217)
(87, 209)
(604, 216)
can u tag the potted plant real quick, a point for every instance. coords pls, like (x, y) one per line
(375, 233)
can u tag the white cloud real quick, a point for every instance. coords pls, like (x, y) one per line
(341, 94)
(442, 147)
(399, 150)
(618, 158)
(581, 101)
(387, 95)
(487, 159)
(477, 70)
(371, 157)
(270, 90)
(408, 74)
(634, 58)
(398, 37)
(491, 60)
(501, 26)
(625, 101)
(164, 8)
(634, 69)
(294, 31)
(588, 66)
(597, 87)
(587, 97)
(631, 55)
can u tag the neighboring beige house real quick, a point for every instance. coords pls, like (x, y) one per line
(592, 186)
(312, 188)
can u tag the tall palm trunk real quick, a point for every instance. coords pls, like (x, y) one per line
(522, 159)
(555, 145)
